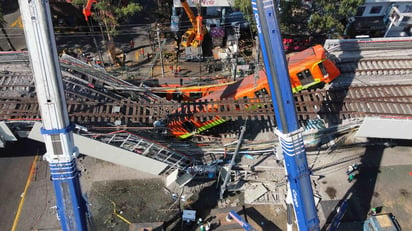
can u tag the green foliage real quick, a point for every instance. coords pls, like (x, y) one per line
(128, 10)
(326, 23)
(245, 6)
(292, 16)
(78, 2)
(330, 17)
(111, 12)
(349, 7)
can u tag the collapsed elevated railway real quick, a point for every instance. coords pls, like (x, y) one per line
(332, 105)
(368, 86)
(118, 117)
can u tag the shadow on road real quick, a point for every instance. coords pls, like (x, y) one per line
(362, 192)
(23, 147)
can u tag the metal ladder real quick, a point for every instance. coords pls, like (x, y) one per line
(149, 148)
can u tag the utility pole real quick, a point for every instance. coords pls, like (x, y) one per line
(256, 72)
(57, 129)
(160, 50)
(199, 51)
(95, 44)
(234, 59)
(174, 26)
(232, 161)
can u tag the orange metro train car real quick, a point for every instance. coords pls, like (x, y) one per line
(307, 69)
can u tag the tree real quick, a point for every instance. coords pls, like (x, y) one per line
(245, 7)
(330, 17)
(111, 12)
(293, 16)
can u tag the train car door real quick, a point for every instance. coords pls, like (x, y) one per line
(305, 77)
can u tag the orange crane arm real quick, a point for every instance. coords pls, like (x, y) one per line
(189, 12)
(199, 26)
(87, 9)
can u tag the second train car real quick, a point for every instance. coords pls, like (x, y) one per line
(307, 69)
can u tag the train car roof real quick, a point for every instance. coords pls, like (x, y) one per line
(304, 55)
(229, 91)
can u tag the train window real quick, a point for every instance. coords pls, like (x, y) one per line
(305, 77)
(195, 95)
(261, 93)
(323, 69)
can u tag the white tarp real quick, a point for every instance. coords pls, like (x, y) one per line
(388, 128)
(205, 3)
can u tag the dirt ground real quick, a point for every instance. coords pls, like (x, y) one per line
(382, 181)
(135, 201)
(118, 195)
(116, 203)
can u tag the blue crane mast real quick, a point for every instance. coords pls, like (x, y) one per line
(57, 130)
(288, 131)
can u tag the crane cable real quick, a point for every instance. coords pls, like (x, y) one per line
(91, 29)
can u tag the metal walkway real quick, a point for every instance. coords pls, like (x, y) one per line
(127, 149)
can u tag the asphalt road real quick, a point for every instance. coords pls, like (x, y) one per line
(15, 164)
(384, 180)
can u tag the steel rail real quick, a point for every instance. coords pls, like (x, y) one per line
(349, 102)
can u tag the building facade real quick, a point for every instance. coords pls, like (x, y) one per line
(382, 18)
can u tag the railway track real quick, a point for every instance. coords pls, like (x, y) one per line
(332, 105)
(377, 66)
(97, 98)
(368, 44)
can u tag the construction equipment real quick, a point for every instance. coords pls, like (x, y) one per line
(117, 55)
(57, 129)
(87, 9)
(290, 136)
(193, 36)
(246, 226)
(381, 222)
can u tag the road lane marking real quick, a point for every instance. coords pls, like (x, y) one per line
(17, 23)
(23, 196)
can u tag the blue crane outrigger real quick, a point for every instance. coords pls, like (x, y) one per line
(290, 136)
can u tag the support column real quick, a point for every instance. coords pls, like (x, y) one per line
(57, 130)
